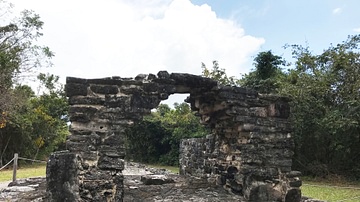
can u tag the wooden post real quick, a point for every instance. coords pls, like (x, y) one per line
(15, 166)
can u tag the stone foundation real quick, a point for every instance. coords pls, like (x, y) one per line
(248, 153)
(62, 177)
(197, 156)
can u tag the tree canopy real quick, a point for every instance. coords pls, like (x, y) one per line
(265, 78)
(30, 124)
(218, 74)
(325, 90)
(20, 56)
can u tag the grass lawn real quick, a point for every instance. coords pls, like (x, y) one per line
(331, 189)
(172, 169)
(26, 171)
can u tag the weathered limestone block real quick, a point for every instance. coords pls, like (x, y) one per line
(107, 162)
(293, 195)
(263, 192)
(131, 89)
(195, 156)
(62, 177)
(151, 87)
(193, 81)
(156, 179)
(80, 113)
(86, 100)
(120, 102)
(112, 151)
(163, 75)
(104, 89)
(147, 102)
(100, 185)
(107, 81)
(73, 89)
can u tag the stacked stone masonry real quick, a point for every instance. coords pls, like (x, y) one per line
(249, 151)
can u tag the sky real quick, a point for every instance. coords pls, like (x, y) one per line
(102, 38)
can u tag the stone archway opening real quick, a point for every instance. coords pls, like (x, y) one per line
(156, 138)
(249, 151)
(175, 98)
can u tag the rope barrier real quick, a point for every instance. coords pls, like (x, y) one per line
(39, 161)
(7, 164)
(328, 186)
(31, 160)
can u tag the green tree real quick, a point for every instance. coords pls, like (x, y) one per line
(30, 125)
(266, 76)
(19, 55)
(37, 127)
(146, 141)
(50, 112)
(218, 74)
(326, 108)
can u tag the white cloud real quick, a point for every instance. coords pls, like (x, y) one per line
(93, 38)
(337, 11)
(356, 29)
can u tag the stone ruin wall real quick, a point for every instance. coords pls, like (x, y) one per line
(249, 151)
